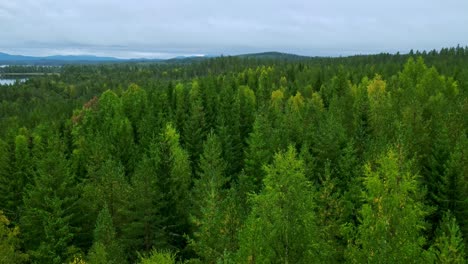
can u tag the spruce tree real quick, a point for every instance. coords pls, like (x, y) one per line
(208, 196)
(106, 247)
(50, 205)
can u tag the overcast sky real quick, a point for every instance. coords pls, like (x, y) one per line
(167, 28)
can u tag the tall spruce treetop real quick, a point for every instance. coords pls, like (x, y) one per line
(208, 196)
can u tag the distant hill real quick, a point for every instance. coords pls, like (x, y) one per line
(55, 60)
(8, 59)
(52, 60)
(273, 55)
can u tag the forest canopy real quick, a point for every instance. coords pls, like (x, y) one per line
(359, 159)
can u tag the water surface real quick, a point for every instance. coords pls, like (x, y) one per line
(11, 81)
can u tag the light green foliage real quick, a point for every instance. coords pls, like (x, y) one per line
(448, 246)
(174, 177)
(392, 217)
(282, 225)
(159, 257)
(294, 118)
(9, 243)
(134, 103)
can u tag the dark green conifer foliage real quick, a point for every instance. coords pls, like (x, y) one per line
(258, 153)
(106, 248)
(143, 230)
(195, 127)
(208, 196)
(228, 129)
(49, 208)
(8, 204)
(15, 173)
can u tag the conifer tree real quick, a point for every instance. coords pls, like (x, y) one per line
(50, 206)
(143, 230)
(10, 243)
(106, 248)
(258, 153)
(448, 246)
(208, 196)
(392, 217)
(281, 227)
(194, 128)
(174, 177)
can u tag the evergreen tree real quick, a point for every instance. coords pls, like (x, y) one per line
(194, 128)
(448, 246)
(9, 243)
(158, 257)
(50, 206)
(210, 238)
(259, 152)
(106, 248)
(282, 225)
(392, 218)
(143, 231)
(106, 186)
(174, 177)
(15, 173)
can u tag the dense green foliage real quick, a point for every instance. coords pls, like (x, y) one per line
(238, 160)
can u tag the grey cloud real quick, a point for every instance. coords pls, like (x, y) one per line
(166, 28)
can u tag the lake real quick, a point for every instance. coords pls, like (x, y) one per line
(11, 81)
